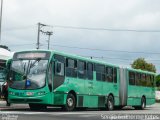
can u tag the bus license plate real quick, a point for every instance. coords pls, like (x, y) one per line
(29, 93)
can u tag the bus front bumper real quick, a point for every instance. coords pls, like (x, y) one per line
(43, 99)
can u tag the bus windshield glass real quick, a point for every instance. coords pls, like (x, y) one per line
(28, 70)
(28, 73)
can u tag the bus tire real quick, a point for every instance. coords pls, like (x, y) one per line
(70, 102)
(110, 103)
(37, 106)
(143, 104)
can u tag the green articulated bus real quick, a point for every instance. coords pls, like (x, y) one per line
(44, 78)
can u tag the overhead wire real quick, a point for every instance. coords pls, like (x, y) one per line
(103, 29)
(95, 49)
(89, 28)
(18, 28)
(140, 52)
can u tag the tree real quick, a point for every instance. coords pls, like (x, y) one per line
(140, 63)
(158, 80)
(5, 47)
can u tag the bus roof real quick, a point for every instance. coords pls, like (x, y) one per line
(71, 55)
(86, 59)
(140, 71)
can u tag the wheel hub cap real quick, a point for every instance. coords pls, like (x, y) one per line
(143, 105)
(110, 104)
(70, 102)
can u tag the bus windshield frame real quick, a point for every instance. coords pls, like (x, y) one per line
(28, 70)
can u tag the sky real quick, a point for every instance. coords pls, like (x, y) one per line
(20, 23)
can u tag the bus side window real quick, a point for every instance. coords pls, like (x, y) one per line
(90, 71)
(59, 58)
(143, 80)
(109, 74)
(148, 81)
(131, 78)
(137, 79)
(59, 65)
(81, 66)
(115, 75)
(100, 72)
(152, 81)
(71, 68)
(103, 73)
(59, 69)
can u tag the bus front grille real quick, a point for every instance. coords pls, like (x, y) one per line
(25, 100)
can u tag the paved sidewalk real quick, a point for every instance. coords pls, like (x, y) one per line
(3, 105)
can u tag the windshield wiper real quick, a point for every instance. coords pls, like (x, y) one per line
(33, 64)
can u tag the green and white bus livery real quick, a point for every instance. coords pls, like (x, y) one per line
(50, 78)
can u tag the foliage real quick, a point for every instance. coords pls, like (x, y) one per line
(158, 80)
(5, 47)
(140, 63)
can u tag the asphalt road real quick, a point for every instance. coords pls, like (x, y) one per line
(22, 112)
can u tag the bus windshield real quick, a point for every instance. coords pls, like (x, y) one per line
(28, 74)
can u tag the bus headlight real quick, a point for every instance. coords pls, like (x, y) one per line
(41, 93)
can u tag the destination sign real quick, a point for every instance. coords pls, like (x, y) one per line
(31, 55)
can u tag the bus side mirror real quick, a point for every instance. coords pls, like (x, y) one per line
(59, 68)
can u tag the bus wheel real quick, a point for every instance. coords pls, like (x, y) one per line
(110, 103)
(143, 104)
(70, 102)
(37, 106)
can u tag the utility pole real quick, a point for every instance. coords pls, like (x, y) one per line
(49, 35)
(1, 19)
(38, 36)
